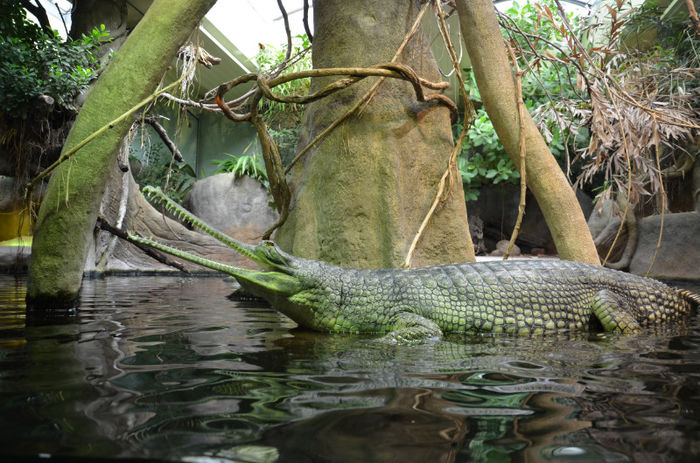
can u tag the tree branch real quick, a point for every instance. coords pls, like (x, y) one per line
(40, 13)
(118, 232)
(693, 13)
(160, 130)
(307, 29)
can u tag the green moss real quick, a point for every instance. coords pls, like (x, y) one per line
(362, 193)
(68, 213)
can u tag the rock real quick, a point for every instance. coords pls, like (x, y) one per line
(476, 230)
(12, 195)
(679, 254)
(604, 223)
(9, 200)
(502, 247)
(236, 206)
(497, 206)
(538, 251)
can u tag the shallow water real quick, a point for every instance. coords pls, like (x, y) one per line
(169, 368)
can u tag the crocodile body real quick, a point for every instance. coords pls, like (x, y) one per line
(526, 296)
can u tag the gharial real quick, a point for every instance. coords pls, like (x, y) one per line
(522, 297)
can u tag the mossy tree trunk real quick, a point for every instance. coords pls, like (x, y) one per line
(359, 196)
(545, 178)
(69, 209)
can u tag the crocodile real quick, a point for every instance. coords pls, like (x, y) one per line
(412, 305)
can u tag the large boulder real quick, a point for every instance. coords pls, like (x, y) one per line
(604, 224)
(236, 206)
(679, 253)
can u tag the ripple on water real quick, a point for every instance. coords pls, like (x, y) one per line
(171, 368)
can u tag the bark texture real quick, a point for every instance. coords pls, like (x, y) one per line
(68, 213)
(556, 198)
(125, 207)
(359, 196)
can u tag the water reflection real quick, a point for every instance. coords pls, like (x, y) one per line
(170, 368)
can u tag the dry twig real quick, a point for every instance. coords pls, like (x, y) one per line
(441, 195)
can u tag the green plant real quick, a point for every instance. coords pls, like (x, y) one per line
(239, 166)
(244, 164)
(269, 59)
(177, 182)
(638, 71)
(33, 62)
(286, 140)
(483, 159)
(152, 164)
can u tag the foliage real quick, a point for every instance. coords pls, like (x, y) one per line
(245, 164)
(176, 181)
(154, 166)
(640, 103)
(603, 105)
(283, 120)
(34, 63)
(269, 58)
(483, 159)
(286, 140)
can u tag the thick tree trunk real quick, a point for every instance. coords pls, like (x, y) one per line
(68, 212)
(359, 196)
(545, 179)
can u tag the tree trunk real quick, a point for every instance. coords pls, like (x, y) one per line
(69, 209)
(556, 198)
(359, 195)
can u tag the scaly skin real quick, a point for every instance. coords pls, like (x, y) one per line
(521, 297)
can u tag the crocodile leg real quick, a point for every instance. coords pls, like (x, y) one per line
(411, 328)
(612, 313)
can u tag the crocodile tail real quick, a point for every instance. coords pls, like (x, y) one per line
(691, 297)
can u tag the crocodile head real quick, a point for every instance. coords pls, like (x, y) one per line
(278, 277)
(280, 281)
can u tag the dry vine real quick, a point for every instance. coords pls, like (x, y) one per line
(264, 85)
(631, 109)
(521, 146)
(441, 194)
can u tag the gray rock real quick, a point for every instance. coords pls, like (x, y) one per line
(502, 247)
(236, 206)
(12, 195)
(679, 254)
(604, 223)
(476, 230)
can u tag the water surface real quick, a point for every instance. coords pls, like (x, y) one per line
(169, 368)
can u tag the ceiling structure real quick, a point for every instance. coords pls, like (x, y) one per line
(234, 30)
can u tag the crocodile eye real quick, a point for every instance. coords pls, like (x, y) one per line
(272, 253)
